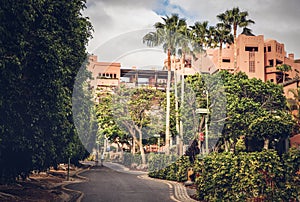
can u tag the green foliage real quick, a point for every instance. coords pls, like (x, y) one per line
(157, 161)
(176, 171)
(108, 127)
(42, 48)
(246, 176)
(254, 109)
(129, 159)
(291, 164)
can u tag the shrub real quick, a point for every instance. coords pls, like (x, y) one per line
(176, 171)
(247, 176)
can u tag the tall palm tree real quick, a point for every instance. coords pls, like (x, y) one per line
(222, 36)
(184, 49)
(235, 18)
(166, 34)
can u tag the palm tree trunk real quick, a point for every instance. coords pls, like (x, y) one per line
(181, 106)
(234, 49)
(167, 145)
(220, 54)
(176, 105)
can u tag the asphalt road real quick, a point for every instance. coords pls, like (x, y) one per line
(107, 185)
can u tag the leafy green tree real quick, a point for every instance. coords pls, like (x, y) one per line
(294, 107)
(108, 127)
(284, 68)
(272, 126)
(251, 107)
(235, 18)
(43, 44)
(138, 112)
(251, 103)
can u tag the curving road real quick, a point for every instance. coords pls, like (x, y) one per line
(108, 185)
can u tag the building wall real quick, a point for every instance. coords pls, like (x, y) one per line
(250, 56)
(105, 76)
(103, 73)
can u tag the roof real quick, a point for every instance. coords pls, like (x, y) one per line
(295, 139)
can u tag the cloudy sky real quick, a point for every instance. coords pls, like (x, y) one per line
(119, 25)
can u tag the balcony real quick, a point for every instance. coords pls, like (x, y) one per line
(271, 70)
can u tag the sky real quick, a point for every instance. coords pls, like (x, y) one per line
(119, 25)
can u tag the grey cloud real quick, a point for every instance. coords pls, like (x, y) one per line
(123, 3)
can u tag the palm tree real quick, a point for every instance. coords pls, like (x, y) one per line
(199, 33)
(222, 36)
(283, 68)
(235, 18)
(166, 34)
(184, 44)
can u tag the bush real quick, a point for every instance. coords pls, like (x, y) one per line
(247, 176)
(176, 171)
(159, 161)
(130, 159)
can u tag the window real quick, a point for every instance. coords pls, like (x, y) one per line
(269, 48)
(251, 48)
(271, 63)
(251, 66)
(226, 60)
(265, 49)
(278, 62)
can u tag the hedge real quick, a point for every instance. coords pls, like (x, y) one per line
(248, 176)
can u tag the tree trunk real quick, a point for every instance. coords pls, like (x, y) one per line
(232, 145)
(140, 143)
(176, 104)
(181, 106)
(266, 143)
(234, 49)
(133, 144)
(220, 54)
(226, 144)
(167, 138)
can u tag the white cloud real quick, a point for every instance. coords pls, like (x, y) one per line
(117, 23)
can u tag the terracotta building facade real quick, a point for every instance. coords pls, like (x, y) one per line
(258, 58)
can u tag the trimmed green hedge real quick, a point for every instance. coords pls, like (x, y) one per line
(248, 176)
(129, 159)
(176, 171)
(263, 176)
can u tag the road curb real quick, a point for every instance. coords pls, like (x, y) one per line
(177, 190)
(83, 179)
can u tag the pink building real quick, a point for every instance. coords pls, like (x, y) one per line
(258, 58)
(105, 75)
